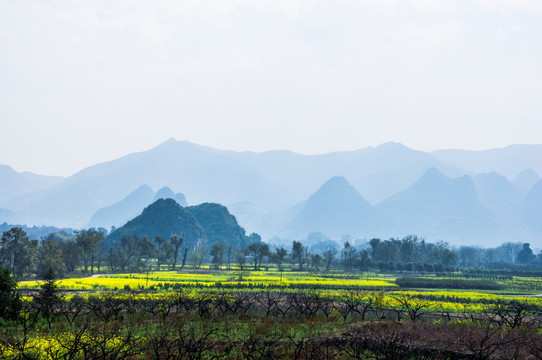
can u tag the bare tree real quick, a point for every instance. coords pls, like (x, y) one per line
(414, 307)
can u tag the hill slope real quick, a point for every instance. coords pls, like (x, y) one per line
(219, 224)
(163, 218)
(531, 210)
(497, 194)
(525, 180)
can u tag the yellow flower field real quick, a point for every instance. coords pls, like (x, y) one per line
(187, 279)
(197, 283)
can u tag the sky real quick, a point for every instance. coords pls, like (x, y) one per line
(82, 82)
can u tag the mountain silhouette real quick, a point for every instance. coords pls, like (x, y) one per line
(260, 188)
(13, 183)
(119, 213)
(204, 173)
(132, 205)
(509, 161)
(531, 210)
(497, 194)
(525, 180)
(167, 193)
(442, 208)
(335, 209)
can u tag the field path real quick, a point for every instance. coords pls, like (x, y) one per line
(96, 276)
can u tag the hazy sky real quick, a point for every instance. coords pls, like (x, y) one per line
(83, 82)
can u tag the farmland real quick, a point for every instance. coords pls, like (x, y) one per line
(216, 279)
(208, 313)
(152, 299)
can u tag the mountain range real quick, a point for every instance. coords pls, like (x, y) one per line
(119, 213)
(335, 209)
(13, 183)
(482, 197)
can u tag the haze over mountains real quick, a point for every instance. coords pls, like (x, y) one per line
(508, 161)
(13, 183)
(436, 204)
(334, 208)
(119, 213)
(391, 190)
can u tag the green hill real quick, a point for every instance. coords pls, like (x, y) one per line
(163, 218)
(219, 224)
(208, 223)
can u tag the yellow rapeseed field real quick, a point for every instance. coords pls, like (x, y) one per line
(197, 283)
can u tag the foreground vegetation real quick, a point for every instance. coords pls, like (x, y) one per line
(207, 313)
(142, 299)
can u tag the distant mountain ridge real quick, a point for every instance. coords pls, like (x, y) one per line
(531, 209)
(167, 193)
(261, 187)
(13, 183)
(371, 170)
(203, 173)
(498, 194)
(335, 209)
(525, 180)
(119, 213)
(437, 206)
(508, 161)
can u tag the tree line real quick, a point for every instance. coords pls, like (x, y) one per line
(89, 252)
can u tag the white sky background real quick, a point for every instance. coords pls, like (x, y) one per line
(83, 82)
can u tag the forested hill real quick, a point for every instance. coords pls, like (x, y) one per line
(206, 223)
(219, 224)
(163, 218)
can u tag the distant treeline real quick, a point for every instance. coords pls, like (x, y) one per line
(413, 249)
(39, 232)
(87, 251)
